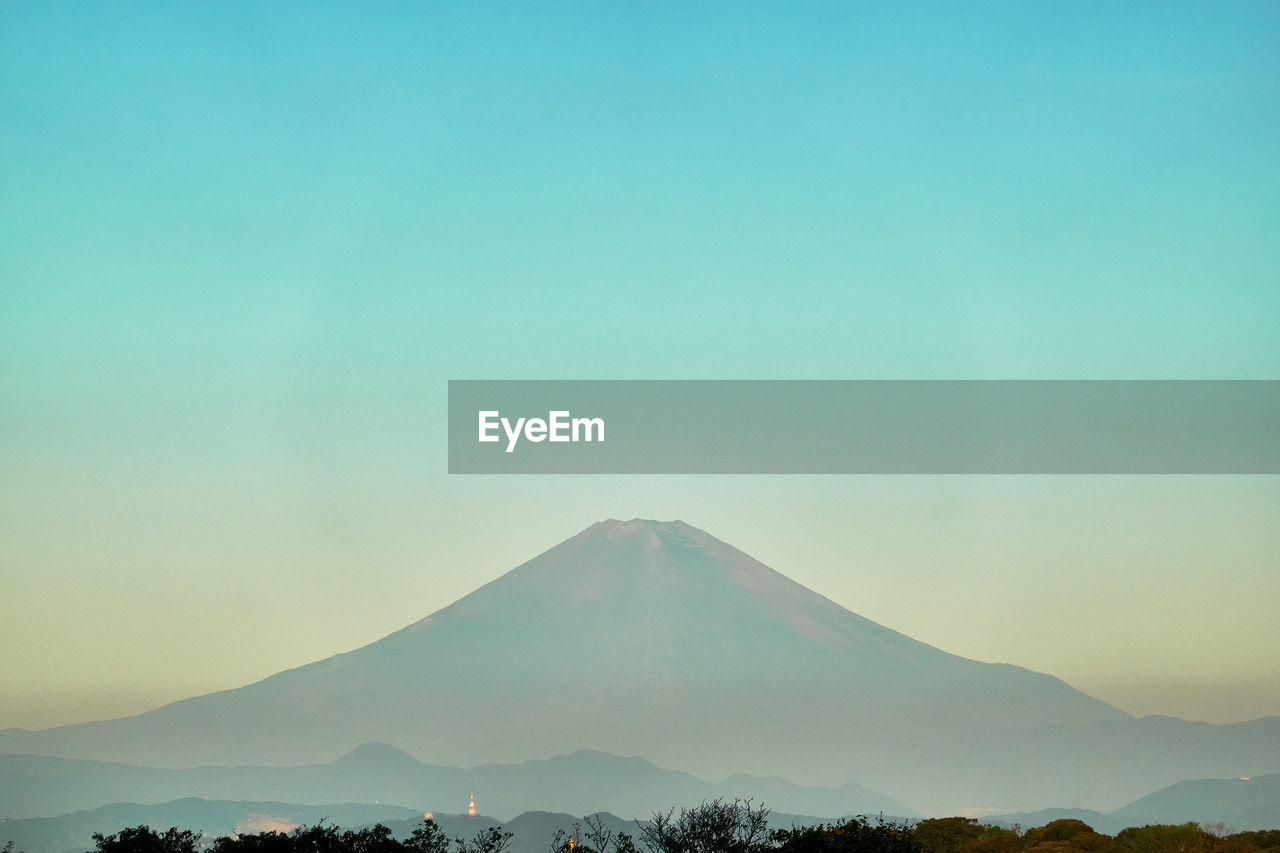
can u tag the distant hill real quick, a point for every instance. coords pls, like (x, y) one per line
(1100, 821)
(658, 640)
(1240, 805)
(581, 783)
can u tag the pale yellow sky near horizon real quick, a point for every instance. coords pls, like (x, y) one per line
(1152, 593)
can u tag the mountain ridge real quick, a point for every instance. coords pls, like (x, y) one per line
(583, 782)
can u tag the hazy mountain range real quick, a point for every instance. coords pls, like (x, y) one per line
(658, 640)
(1238, 804)
(581, 783)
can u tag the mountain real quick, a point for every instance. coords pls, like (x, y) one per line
(581, 783)
(1240, 805)
(658, 640)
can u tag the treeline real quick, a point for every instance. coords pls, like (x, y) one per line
(720, 826)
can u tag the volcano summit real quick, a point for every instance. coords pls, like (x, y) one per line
(656, 639)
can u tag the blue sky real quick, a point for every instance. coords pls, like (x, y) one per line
(242, 249)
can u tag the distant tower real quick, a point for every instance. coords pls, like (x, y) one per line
(471, 809)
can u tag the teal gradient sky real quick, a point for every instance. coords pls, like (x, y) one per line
(244, 246)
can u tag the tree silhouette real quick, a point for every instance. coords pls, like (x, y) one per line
(715, 827)
(850, 836)
(427, 837)
(491, 840)
(144, 839)
(597, 837)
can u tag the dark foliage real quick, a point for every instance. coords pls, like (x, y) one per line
(859, 835)
(427, 837)
(143, 839)
(1266, 839)
(313, 839)
(491, 840)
